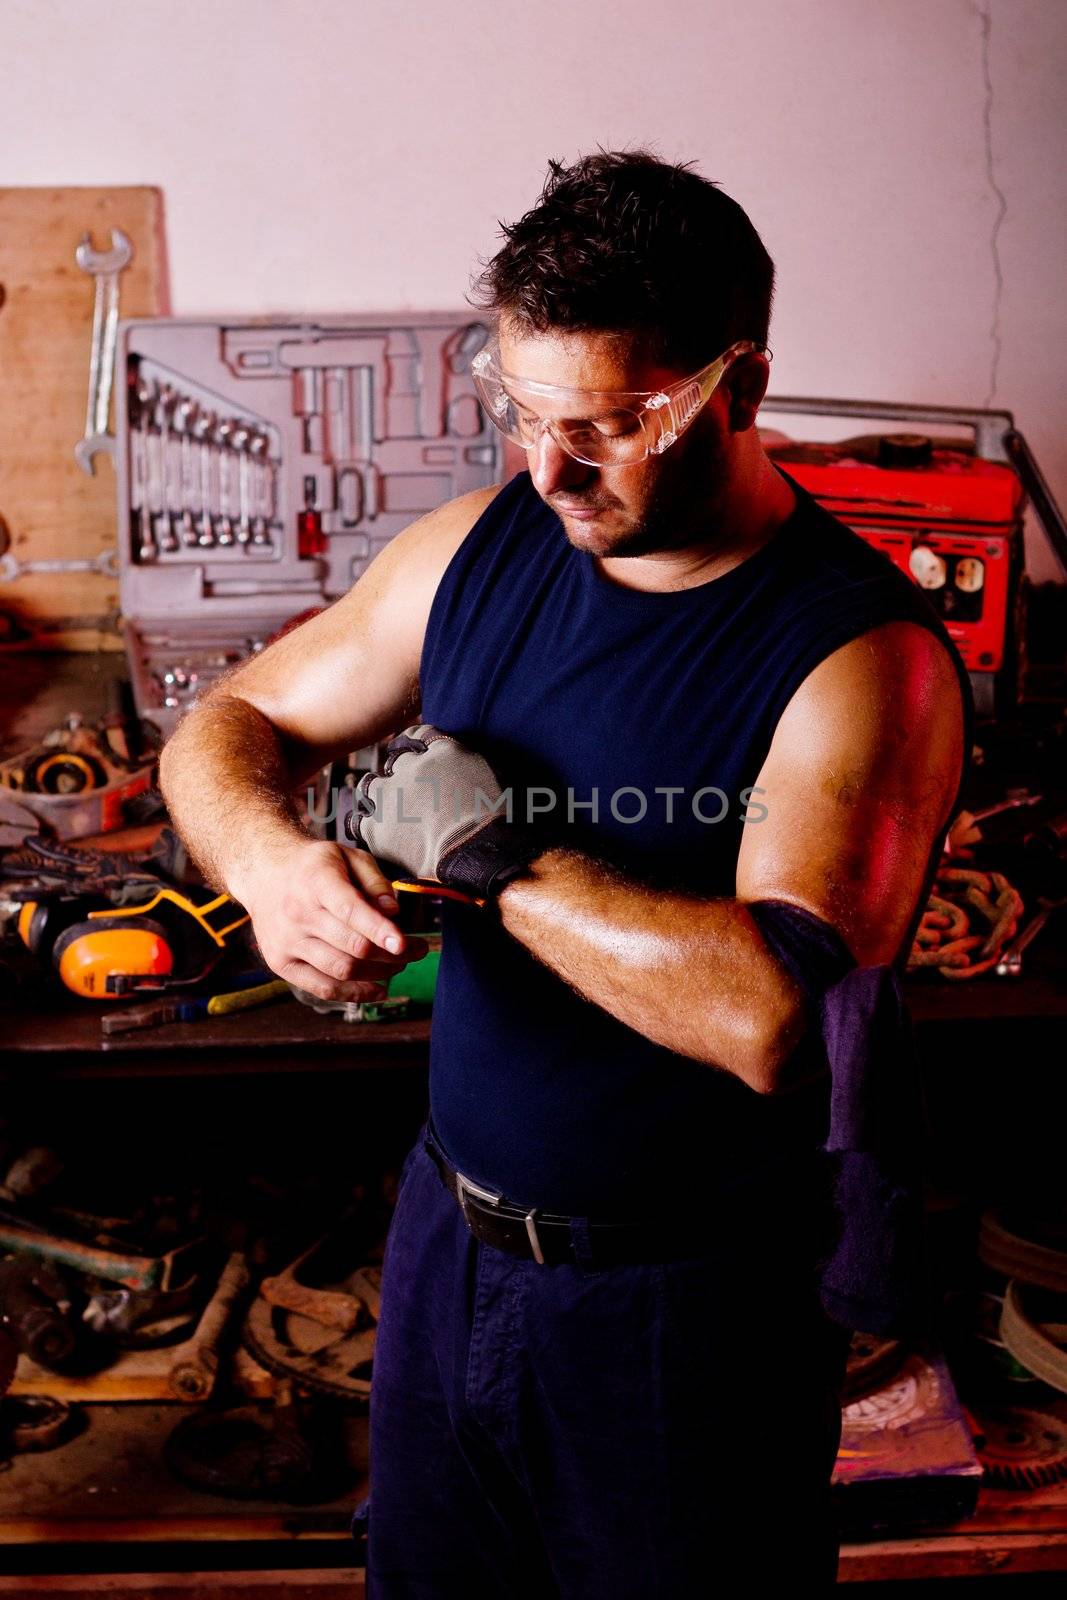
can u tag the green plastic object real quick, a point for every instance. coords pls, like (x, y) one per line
(419, 981)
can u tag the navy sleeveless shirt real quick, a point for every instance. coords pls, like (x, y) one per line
(641, 721)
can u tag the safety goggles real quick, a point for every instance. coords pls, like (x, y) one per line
(607, 428)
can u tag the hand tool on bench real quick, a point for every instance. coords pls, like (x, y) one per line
(161, 1012)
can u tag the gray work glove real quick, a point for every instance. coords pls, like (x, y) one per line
(438, 812)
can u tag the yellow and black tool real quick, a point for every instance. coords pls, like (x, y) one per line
(170, 938)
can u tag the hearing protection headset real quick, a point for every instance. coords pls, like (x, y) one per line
(170, 938)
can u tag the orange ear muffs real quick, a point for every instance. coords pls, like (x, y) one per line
(40, 922)
(98, 959)
(102, 950)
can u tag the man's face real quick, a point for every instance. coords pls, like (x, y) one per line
(661, 503)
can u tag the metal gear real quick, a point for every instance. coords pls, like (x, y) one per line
(1021, 1449)
(31, 1422)
(321, 1357)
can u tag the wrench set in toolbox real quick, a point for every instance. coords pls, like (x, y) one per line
(263, 463)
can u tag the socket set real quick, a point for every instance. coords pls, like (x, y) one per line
(263, 463)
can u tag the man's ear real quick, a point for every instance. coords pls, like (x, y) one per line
(747, 382)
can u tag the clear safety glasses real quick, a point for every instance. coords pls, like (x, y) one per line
(610, 428)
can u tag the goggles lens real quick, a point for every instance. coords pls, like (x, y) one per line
(611, 436)
(605, 428)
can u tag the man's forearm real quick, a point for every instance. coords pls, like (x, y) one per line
(693, 975)
(228, 788)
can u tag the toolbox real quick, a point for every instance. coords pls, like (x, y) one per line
(263, 462)
(947, 510)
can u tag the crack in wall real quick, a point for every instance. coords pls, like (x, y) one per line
(986, 20)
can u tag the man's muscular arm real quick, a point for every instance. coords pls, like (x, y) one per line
(343, 680)
(858, 784)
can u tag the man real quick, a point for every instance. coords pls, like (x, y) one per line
(648, 686)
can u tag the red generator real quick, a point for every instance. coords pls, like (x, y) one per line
(947, 510)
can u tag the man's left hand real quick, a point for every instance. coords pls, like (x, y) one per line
(439, 813)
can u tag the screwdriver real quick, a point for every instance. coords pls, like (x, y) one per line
(161, 1012)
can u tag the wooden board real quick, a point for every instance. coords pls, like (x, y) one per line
(52, 508)
(136, 1375)
(345, 1583)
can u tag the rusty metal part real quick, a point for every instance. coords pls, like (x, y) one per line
(1021, 1449)
(966, 875)
(299, 1288)
(30, 1422)
(245, 1453)
(193, 1376)
(956, 916)
(101, 1257)
(1008, 907)
(32, 1317)
(30, 1172)
(980, 900)
(946, 954)
(145, 1321)
(950, 935)
(317, 1354)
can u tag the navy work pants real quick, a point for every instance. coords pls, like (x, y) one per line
(662, 1431)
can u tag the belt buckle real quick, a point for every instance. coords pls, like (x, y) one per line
(465, 1188)
(531, 1233)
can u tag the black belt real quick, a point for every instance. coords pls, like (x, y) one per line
(551, 1239)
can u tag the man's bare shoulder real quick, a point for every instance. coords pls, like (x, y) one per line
(885, 712)
(858, 785)
(898, 683)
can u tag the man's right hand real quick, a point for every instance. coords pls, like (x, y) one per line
(321, 914)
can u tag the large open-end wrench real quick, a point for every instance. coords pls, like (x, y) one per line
(105, 267)
(106, 564)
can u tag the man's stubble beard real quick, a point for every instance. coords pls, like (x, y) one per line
(683, 507)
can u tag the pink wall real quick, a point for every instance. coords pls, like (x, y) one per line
(340, 155)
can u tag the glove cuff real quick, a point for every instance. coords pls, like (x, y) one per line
(483, 863)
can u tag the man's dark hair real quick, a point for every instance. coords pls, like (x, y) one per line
(624, 242)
